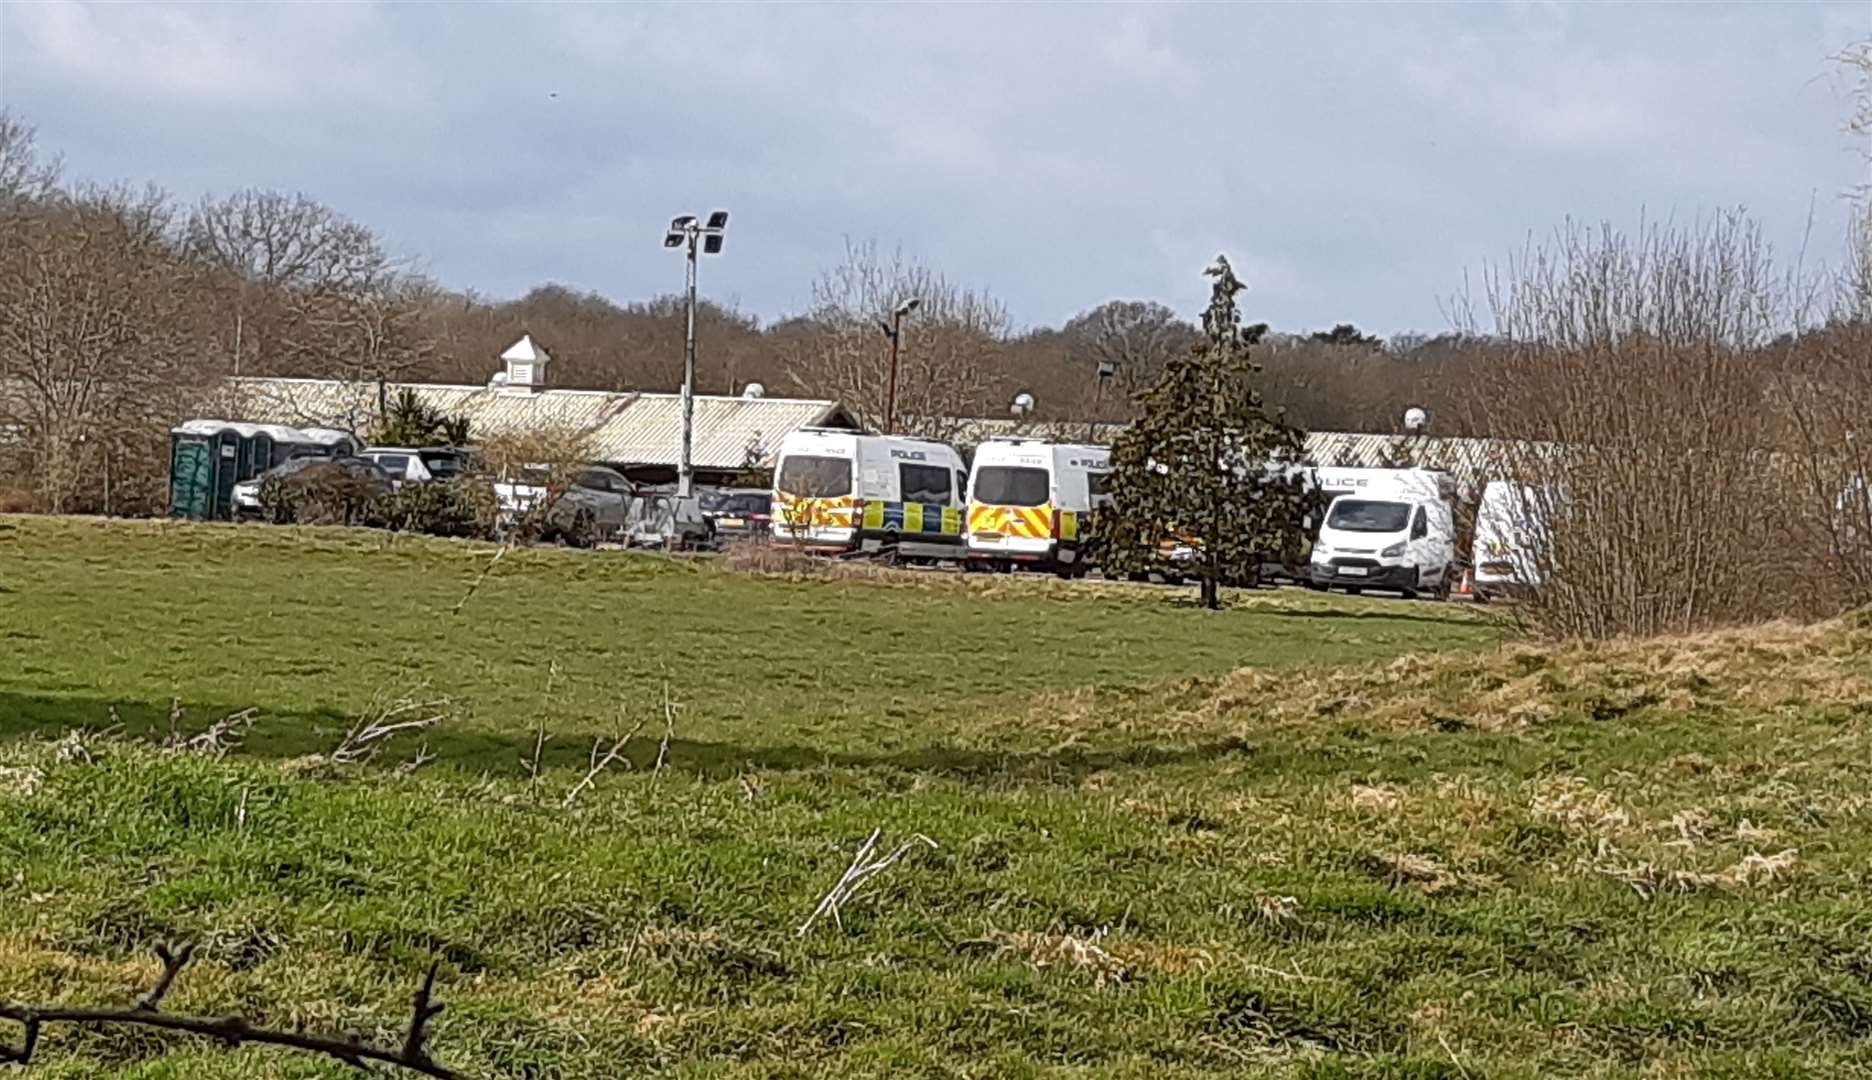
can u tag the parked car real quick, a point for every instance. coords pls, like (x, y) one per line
(594, 506)
(372, 480)
(663, 519)
(737, 513)
(418, 465)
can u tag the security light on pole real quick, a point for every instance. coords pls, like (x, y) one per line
(686, 231)
(894, 331)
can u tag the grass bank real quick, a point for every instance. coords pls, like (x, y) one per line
(1170, 844)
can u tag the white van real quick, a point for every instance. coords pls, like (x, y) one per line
(1391, 529)
(1030, 502)
(839, 490)
(1510, 539)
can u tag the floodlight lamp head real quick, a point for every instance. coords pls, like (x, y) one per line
(711, 245)
(681, 222)
(909, 305)
(718, 220)
(673, 240)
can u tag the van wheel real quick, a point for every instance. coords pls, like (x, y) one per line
(1442, 591)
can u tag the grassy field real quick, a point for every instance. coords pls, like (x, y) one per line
(1171, 843)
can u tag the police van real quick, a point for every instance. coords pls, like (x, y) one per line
(1391, 529)
(840, 491)
(1029, 503)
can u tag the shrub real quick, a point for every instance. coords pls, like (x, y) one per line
(464, 507)
(323, 494)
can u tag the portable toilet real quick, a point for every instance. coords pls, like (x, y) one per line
(208, 457)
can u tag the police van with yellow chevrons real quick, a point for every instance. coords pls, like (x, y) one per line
(841, 491)
(1030, 503)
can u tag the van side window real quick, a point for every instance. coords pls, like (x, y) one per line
(1420, 528)
(924, 483)
(1097, 487)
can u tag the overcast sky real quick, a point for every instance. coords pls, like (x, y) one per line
(1352, 159)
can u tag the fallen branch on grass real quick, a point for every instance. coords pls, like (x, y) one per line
(384, 719)
(221, 736)
(857, 874)
(234, 1030)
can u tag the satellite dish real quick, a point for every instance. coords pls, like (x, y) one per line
(753, 390)
(1023, 404)
(1415, 420)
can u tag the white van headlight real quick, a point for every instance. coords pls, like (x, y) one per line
(1321, 552)
(1395, 551)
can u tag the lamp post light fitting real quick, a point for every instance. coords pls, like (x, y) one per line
(687, 231)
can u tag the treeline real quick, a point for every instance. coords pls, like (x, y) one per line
(121, 309)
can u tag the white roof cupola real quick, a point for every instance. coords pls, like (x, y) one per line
(525, 366)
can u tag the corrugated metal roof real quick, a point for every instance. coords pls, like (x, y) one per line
(624, 428)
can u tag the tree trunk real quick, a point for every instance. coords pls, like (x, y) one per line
(1211, 593)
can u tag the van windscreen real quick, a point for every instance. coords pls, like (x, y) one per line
(1366, 515)
(1011, 485)
(815, 477)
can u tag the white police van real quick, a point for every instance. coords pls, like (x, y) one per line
(837, 490)
(1389, 529)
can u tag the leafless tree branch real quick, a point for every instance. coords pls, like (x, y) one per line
(235, 1030)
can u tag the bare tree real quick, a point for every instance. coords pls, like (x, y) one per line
(99, 351)
(25, 175)
(273, 249)
(1127, 342)
(949, 353)
(372, 334)
(1657, 503)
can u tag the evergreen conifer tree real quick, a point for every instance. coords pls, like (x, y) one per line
(1207, 483)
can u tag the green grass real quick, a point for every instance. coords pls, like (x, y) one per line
(1491, 863)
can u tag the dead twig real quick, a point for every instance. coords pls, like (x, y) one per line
(857, 874)
(669, 729)
(423, 757)
(234, 1030)
(599, 765)
(384, 719)
(221, 736)
(475, 586)
(539, 738)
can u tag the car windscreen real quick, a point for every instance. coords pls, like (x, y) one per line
(1011, 485)
(743, 504)
(298, 464)
(813, 477)
(442, 466)
(1369, 516)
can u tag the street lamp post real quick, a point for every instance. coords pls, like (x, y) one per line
(1106, 369)
(687, 231)
(894, 331)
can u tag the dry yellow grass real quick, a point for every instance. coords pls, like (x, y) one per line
(1778, 665)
